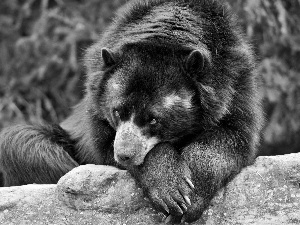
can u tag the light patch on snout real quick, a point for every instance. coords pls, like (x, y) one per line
(131, 143)
(182, 98)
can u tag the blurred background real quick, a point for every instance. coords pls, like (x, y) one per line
(42, 44)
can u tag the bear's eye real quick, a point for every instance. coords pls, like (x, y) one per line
(116, 113)
(153, 121)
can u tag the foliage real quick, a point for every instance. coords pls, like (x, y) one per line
(274, 27)
(42, 43)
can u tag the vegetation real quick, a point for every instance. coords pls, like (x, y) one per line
(42, 44)
(273, 25)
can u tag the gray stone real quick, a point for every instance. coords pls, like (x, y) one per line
(267, 192)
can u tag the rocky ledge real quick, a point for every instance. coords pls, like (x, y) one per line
(267, 192)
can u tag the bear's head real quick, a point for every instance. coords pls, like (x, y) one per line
(149, 95)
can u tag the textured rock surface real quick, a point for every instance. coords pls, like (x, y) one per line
(267, 192)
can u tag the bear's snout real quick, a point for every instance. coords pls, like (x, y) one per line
(125, 150)
(131, 145)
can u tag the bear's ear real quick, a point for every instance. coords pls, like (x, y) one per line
(195, 62)
(108, 57)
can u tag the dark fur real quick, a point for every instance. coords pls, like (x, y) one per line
(150, 42)
(27, 153)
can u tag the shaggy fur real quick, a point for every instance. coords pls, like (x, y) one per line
(177, 73)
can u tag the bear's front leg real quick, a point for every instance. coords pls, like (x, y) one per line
(182, 185)
(214, 159)
(166, 179)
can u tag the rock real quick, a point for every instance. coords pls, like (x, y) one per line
(267, 192)
(86, 195)
(109, 191)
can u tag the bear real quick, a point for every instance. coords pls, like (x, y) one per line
(172, 95)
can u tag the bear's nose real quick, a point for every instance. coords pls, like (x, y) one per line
(126, 152)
